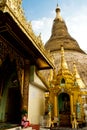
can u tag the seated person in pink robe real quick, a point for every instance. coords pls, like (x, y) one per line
(24, 122)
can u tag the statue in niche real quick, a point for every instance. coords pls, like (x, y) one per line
(66, 105)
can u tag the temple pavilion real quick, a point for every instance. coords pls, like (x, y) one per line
(22, 55)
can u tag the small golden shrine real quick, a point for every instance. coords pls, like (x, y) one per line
(67, 94)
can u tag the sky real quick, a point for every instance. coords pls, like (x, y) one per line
(41, 13)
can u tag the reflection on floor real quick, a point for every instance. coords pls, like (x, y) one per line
(4, 126)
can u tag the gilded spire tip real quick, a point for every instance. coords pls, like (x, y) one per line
(58, 15)
(57, 4)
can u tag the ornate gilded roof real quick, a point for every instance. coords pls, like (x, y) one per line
(13, 19)
(60, 36)
(71, 57)
(64, 73)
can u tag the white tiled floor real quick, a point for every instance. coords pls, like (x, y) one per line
(15, 128)
(19, 128)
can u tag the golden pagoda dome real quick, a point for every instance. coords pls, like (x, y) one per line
(60, 35)
(72, 51)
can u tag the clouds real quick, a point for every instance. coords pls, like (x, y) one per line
(43, 26)
(77, 26)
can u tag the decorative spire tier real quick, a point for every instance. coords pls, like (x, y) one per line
(63, 61)
(63, 77)
(78, 79)
(64, 70)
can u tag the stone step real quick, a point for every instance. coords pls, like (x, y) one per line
(28, 128)
(15, 128)
(62, 128)
(9, 126)
(19, 128)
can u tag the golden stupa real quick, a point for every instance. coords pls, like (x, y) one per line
(67, 82)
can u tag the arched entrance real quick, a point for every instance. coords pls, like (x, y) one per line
(10, 94)
(64, 109)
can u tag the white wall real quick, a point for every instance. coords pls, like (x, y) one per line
(36, 101)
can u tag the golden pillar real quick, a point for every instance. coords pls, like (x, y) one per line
(22, 84)
(55, 106)
(26, 85)
(71, 103)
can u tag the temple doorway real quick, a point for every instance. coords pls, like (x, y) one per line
(13, 106)
(10, 93)
(64, 109)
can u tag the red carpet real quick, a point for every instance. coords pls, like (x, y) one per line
(35, 126)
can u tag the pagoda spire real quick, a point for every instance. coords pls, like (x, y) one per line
(63, 61)
(60, 36)
(58, 13)
(78, 78)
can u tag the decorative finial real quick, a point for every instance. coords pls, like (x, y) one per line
(63, 61)
(58, 15)
(75, 71)
(77, 77)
